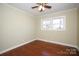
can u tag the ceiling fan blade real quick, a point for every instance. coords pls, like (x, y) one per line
(34, 7)
(41, 3)
(47, 6)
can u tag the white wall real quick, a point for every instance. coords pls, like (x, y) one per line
(69, 36)
(16, 26)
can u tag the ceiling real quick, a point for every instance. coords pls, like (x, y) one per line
(55, 7)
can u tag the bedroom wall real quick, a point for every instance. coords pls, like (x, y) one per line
(16, 27)
(69, 36)
(78, 27)
(0, 26)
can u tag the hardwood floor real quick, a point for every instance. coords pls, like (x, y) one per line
(41, 48)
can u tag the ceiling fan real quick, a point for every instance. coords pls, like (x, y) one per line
(42, 6)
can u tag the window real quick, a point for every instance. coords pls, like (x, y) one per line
(46, 24)
(55, 23)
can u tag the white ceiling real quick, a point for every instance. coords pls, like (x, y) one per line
(55, 7)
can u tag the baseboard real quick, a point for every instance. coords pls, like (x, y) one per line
(16, 46)
(59, 43)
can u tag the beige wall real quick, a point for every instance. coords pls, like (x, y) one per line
(69, 36)
(78, 27)
(16, 26)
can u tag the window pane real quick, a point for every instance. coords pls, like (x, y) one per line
(46, 24)
(58, 23)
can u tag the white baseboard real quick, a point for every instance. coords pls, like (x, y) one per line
(59, 43)
(16, 46)
(37, 39)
